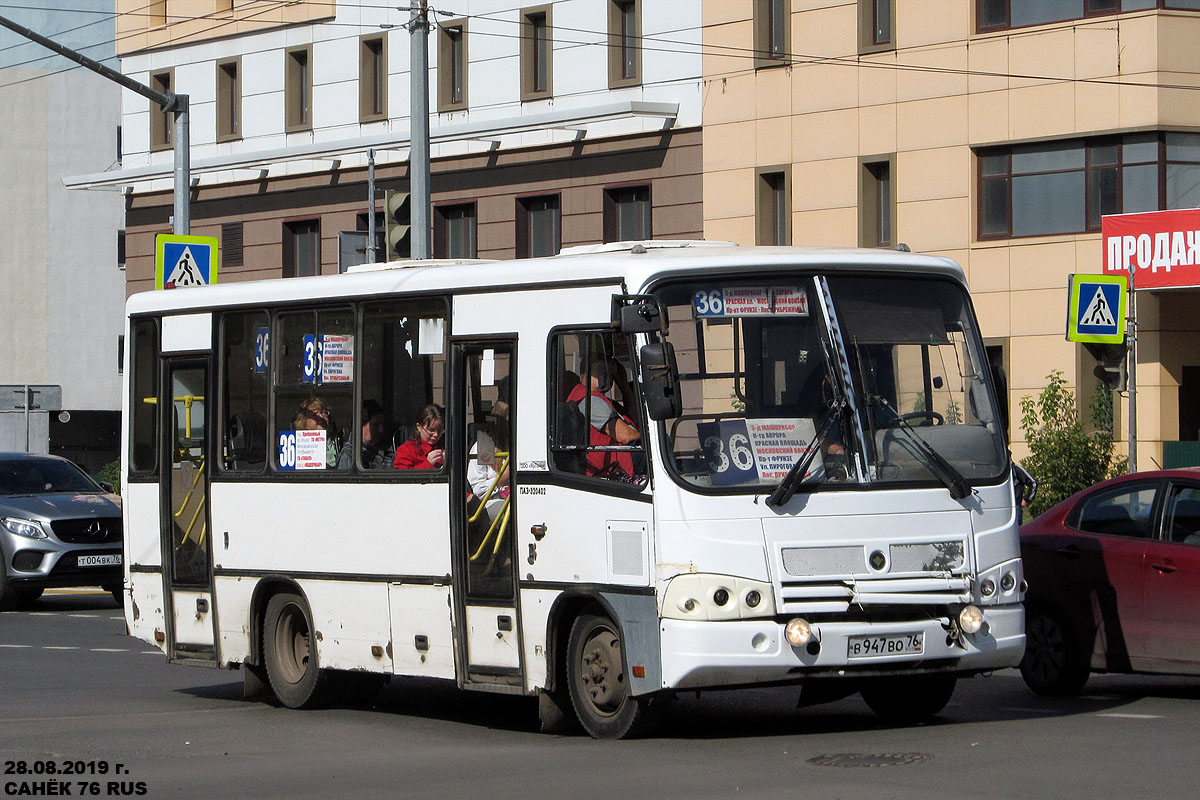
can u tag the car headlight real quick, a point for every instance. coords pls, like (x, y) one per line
(24, 527)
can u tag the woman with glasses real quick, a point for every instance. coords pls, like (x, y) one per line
(423, 450)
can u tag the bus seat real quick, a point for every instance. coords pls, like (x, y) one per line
(246, 446)
(570, 431)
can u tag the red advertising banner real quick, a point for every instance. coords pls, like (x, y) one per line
(1162, 246)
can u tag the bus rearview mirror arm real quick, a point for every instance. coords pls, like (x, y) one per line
(638, 313)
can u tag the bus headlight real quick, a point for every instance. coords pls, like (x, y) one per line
(699, 596)
(970, 619)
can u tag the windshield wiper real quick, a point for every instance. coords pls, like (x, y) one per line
(791, 482)
(942, 469)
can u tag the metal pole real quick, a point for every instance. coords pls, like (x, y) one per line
(28, 402)
(1131, 369)
(183, 169)
(418, 159)
(371, 206)
(177, 103)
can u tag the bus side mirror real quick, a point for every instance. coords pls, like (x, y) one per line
(637, 313)
(660, 381)
(1000, 381)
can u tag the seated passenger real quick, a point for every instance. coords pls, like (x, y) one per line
(316, 415)
(610, 424)
(375, 452)
(481, 465)
(422, 450)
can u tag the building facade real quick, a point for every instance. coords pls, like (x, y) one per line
(995, 132)
(551, 125)
(62, 288)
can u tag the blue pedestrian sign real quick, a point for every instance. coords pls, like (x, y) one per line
(1096, 308)
(184, 261)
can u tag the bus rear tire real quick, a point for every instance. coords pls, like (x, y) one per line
(909, 700)
(293, 671)
(597, 682)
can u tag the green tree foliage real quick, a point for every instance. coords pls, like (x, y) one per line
(111, 473)
(1064, 457)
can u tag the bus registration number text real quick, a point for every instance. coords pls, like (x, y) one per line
(901, 644)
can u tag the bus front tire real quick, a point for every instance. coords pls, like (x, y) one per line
(293, 671)
(597, 682)
(908, 700)
(1054, 664)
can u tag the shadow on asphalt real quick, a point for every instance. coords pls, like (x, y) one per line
(75, 601)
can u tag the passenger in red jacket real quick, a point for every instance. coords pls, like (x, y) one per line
(423, 450)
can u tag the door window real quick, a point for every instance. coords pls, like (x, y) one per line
(1124, 511)
(189, 517)
(489, 463)
(1183, 516)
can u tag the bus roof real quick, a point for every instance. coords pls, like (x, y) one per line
(632, 265)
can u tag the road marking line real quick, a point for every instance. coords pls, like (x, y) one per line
(144, 652)
(58, 647)
(16, 645)
(108, 650)
(82, 616)
(1131, 716)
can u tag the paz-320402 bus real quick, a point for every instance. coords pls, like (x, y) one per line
(598, 478)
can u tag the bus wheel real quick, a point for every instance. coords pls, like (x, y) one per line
(597, 681)
(908, 700)
(1053, 664)
(291, 659)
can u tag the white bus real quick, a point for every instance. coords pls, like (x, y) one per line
(598, 478)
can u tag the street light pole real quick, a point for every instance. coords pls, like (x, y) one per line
(418, 157)
(175, 103)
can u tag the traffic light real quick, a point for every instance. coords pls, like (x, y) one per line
(397, 225)
(1111, 369)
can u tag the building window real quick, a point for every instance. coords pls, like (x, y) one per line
(160, 121)
(454, 231)
(772, 207)
(452, 65)
(875, 20)
(229, 100)
(231, 244)
(298, 89)
(121, 249)
(624, 43)
(537, 54)
(372, 78)
(877, 203)
(301, 248)
(539, 226)
(627, 214)
(1066, 187)
(121, 354)
(156, 13)
(120, 144)
(994, 15)
(772, 32)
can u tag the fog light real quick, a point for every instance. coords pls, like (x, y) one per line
(797, 632)
(721, 597)
(987, 588)
(970, 619)
(1008, 582)
(687, 605)
(753, 598)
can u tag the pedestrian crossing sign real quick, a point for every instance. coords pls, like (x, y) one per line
(1096, 308)
(184, 261)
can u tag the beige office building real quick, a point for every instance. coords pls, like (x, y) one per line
(994, 132)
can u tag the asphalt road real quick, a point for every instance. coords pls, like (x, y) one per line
(75, 688)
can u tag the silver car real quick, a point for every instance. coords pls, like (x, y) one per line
(58, 527)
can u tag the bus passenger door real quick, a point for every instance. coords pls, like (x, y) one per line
(187, 540)
(480, 451)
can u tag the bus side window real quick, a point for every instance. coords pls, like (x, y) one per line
(594, 421)
(143, 402)
(243, 371)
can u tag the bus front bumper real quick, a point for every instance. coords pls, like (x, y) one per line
(742, 652)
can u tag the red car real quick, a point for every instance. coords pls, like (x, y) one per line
(1114, 582)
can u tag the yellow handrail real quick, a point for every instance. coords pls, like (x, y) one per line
(500, 524)
(183, 504)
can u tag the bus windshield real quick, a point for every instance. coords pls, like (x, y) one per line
(863, 379)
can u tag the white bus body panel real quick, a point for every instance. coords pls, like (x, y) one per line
(349, 618)
(487, 644)
(144, 611)
(193, 626)
(422, 611)
(141, 504)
